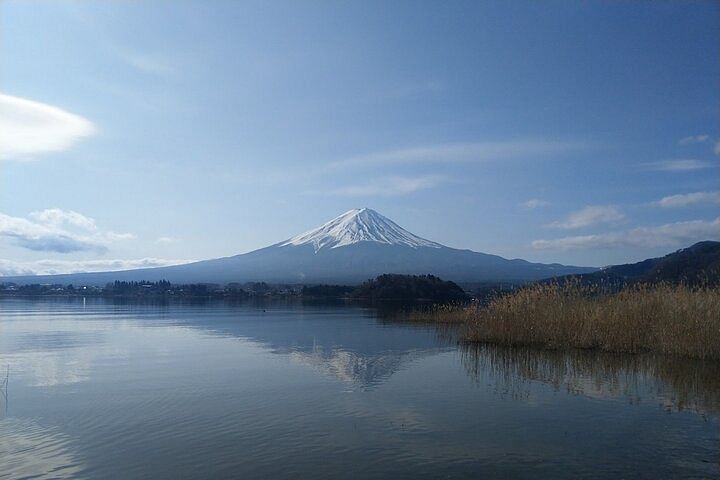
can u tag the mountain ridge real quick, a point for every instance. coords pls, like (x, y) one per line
(358, 245)
(693, 265)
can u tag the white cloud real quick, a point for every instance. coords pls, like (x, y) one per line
(166, 240)
(59, 218)
(114, 237)
(688, 199)
(694, 139)
(28, 128)
(54, 267)
(460, 152)
(679, 165)
(717, 148)
(390, 186)
(535, 203)
(668, 235)
(39, 236)
(589, 216)
(56, 230)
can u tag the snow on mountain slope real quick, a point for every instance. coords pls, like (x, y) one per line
(359, 225)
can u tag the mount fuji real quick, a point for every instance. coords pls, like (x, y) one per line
(357, 245)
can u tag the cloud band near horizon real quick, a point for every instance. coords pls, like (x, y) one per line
(667, 235)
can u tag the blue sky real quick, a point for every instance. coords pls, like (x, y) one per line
(143, 133)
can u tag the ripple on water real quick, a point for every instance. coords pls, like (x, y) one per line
(30, 450)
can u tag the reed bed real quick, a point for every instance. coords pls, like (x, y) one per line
(661, 318)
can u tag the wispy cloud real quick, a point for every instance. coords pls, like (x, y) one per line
(694, 139)
(460, 152)
(166, 240)
(29, 128)
(687, 199)
(133, 53)
(716, 149)
(53, 267)
(679, 165)
(390, 186)
(55, 230)
(152, 64)
(589, 216)
(668, 235)
(535, 203)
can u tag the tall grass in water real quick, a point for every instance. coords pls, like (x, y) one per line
(662, 318)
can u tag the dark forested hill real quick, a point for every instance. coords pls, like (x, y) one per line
(410, 287)
(698, 264)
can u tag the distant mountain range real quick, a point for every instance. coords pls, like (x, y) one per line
(698, 264)
(357, 245)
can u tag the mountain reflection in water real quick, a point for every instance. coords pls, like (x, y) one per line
(334, 338)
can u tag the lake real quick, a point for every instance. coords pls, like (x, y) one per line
(103, 389)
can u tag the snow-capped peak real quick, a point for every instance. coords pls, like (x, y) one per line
(359, 225)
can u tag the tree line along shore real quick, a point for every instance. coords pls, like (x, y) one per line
(408, 288)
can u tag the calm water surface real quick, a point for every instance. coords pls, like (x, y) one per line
(103, 390)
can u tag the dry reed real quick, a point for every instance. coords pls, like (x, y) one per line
(662, 318)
